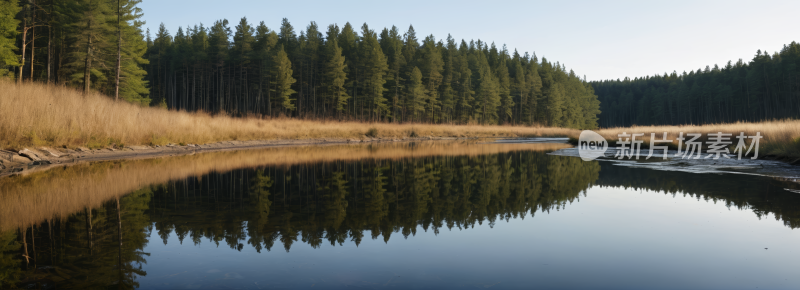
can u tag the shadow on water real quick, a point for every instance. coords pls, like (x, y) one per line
(87, 226)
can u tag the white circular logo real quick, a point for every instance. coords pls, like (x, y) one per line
(591, 145)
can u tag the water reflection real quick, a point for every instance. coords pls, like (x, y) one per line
(763, 195)
(33, 198)
(341, 201)
(265, 206)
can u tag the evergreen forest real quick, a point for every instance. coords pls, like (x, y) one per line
(765, 88)
(246, 69)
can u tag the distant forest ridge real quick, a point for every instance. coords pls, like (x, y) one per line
(765, 88)
(249, 69)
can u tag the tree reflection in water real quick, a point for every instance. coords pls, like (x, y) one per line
(337, 202)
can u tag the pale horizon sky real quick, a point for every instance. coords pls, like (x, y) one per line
(599, 39)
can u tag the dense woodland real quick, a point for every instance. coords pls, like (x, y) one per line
(86, 44)
(247, 69)
(765, 88)
(360, 73)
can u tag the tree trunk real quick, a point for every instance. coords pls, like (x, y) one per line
(119, 53)
(33, 34)
(50, 43)
(88, 66)
(24, 37)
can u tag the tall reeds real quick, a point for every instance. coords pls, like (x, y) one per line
(780, 137)
(33, 114)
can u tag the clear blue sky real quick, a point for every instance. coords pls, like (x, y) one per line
(599, 39)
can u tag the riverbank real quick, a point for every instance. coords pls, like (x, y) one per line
(34, 159)
(59, 124)
(36, 115)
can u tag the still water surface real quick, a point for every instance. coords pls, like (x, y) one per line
(470, 216)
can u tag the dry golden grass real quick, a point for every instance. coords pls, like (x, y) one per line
(42, 115)
(781, 138)
(39, 196)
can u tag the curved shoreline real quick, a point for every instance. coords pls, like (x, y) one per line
(12, 163)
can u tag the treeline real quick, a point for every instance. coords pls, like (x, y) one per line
(362, 75)
(88, 44)
(251, 70)
(765, 88)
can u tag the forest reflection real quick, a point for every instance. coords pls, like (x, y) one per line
(33, 198)
(284, 205)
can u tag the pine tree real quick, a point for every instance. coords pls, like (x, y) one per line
(555, 105)
(488, 92)
(416, 94)
(335, 75)
(520, 90)
(218, 54)
(447, 93)
(266, 40)
(159, 64)
(431, 64)
(462, 82)
(8, 35)
(348, 41)
(374, 68)
(287, 38)
(132, 84)
(243, 41)
(90, 32)
(312, 49)
(504, 88)
(534, 100)
(392, 46)
(283, 80)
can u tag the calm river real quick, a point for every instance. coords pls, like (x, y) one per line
(429, 215)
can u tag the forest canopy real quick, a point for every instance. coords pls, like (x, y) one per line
(247, 69)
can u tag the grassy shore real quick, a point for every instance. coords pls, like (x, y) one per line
(35, 115)
(42, 115)
(781, 138)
